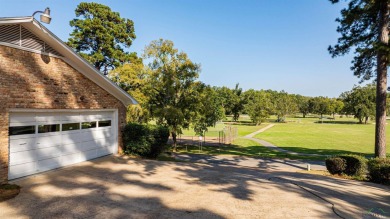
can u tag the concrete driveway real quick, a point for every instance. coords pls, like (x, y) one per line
(116, 187)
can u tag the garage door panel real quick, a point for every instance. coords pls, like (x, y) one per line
(87, 135)
(34, 155)
(71, 137)
(88, 145)
(103, 142)
(22, 157)
(88, 117)
(48, 118)
(88, 155)
(71, 159)
(48, 141)
(79, 147)
(102, 133)
(20, 170)
(103, 151)
(48, 164)
(60, 139)
(23, 144)
(22, 117)
(104, 115)
(70, 117)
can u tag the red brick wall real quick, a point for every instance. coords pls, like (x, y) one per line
(30, 80)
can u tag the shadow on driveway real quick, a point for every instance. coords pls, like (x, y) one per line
(117, 187)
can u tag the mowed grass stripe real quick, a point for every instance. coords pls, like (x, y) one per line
(323, 138)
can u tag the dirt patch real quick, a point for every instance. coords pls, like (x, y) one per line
(8, 191)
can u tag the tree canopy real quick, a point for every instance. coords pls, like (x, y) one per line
(259, 105)
(360, 102)
(173, 86)
(133, 78)
(101, 36)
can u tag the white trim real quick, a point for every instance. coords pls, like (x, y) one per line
(29, 110)
(115, 126)
(15, 20)
(29, 50)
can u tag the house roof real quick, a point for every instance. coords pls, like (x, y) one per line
(69, 56)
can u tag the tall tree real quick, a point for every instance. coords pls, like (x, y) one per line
(209, 110)
(259, 105)
(303, 105)
(364, 27)
(173, 86)
(132, 77)
(238, 102)
(101, 35)
(335, 106)
(284, 104)
(360, 102)
(226, 96)
(320, 105)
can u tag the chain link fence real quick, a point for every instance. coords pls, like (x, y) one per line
(211, 138)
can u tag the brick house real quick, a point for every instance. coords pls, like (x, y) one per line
(56, 109)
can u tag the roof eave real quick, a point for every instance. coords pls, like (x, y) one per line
(74, 59)
(15, 20)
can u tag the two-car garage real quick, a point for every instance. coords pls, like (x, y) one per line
(56, 108)
(41, 141)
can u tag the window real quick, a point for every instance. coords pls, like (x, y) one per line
(70, 126)
(88, 125)
(48, 128)
(105, 123)
(21, 130)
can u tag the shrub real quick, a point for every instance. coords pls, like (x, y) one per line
(335, 165)
(379, 170)
(356, 165)
(145, 140)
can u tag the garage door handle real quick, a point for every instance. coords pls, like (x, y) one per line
(23, 144)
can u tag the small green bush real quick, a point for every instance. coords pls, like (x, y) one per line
(335, 165)
(356, 165)
(145, 140)
(379, 170)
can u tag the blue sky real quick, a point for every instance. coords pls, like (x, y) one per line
(260, 44)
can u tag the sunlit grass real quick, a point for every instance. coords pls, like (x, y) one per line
(307, 136)
(243, 147)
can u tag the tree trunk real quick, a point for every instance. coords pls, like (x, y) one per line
(381, 82)
(366, 119)
(174, 141)
(304, 115)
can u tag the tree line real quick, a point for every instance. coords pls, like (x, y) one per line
(165, 81)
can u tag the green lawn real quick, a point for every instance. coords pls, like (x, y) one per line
(326, 138)
(243, 147)
(305, 135)
(247, 129)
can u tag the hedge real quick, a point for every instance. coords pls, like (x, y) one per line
(335, 165)
(379, 170)
(352, 165)
(145, 140)
(356, 165)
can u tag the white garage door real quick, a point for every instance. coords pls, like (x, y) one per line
(45, 141)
